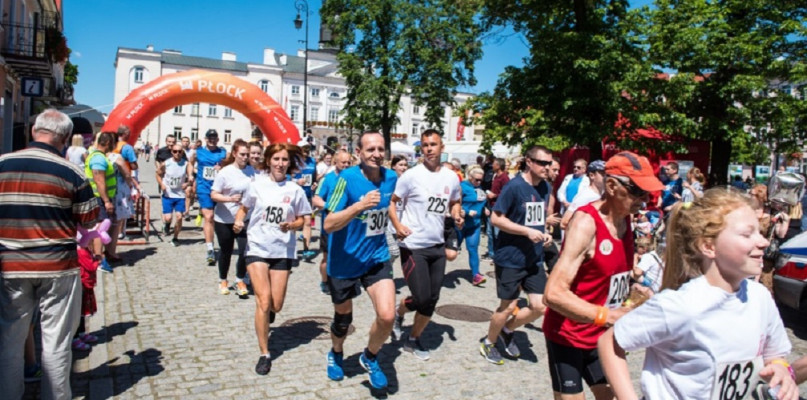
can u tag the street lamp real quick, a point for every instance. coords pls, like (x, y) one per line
(302, 6)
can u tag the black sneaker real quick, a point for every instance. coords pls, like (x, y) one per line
(167, 229)
(263, 366)
(174, 242)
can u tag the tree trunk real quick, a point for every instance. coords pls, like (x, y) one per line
(721, 156)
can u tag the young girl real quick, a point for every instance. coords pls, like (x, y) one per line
(711, 333)
(89, 266)
(278, 207)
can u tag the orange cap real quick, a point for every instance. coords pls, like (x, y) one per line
(635, 167)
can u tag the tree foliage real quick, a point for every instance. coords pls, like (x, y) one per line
(388, 48)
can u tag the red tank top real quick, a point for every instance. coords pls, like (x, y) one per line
(602, 280)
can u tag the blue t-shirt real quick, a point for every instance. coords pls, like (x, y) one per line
(672, 187)
(324, 191)
(128, 153)
(362, 244)
(473, 198)
(98, 162)
(526, 205)
(307, 170)
(572, 187)
(206, 162)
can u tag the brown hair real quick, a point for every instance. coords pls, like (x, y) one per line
(295, 154)
(760, 192)
(237, 144)
(693, 224)
(696, 173)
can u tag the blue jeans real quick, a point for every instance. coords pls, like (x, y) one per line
(492, 232)
(471, 237)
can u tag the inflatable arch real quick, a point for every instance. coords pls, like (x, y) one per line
(145, 103)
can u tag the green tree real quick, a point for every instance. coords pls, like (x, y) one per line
(388, 48)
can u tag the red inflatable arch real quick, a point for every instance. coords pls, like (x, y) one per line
(145, 103)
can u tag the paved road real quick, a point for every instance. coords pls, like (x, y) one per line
(167, 333)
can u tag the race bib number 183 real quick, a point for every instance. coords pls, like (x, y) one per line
(736, 380)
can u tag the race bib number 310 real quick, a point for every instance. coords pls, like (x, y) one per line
(618, 290)
(535, 214)
(736, 380)
(376, 221)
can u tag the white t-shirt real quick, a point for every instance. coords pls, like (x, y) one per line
(584, 196)
(229, 181)
(74, 154)
(272, 203)
(323, 168)
(650, 264)
(176, 174)
(700, 339)
(426, 196)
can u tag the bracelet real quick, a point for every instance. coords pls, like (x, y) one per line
(786, 365)
(602, 316)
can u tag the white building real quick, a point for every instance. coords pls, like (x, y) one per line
(282, 77)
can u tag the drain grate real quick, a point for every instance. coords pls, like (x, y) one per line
(310, 328)
(462, 312)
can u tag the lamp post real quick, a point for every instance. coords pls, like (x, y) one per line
(302, 6)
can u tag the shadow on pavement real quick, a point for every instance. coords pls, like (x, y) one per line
(456, 277)
(386, 358)
(106, 334)
(126, 374)
(284, 338)
(133, 256)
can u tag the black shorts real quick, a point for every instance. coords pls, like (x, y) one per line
(567, 365)
(532, 280)
(343, 290)
(450, 235)
(323, 242)
(277, 264)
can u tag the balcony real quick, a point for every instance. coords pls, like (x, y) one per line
(31, 50)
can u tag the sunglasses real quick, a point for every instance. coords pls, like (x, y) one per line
(633, 190)
(540, 162)
(176, 151)
(579, 167)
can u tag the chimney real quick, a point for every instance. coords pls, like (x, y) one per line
(283, 59)
(150, 47)
(227, 56)
(269, 56)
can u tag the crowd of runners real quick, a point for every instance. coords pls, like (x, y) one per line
(611, 272)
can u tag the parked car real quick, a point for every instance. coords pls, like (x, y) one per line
(790, 282)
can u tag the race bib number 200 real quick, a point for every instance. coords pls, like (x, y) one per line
(376, 221)
(736, 380)
(618, 290)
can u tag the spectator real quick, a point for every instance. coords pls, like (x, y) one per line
(76, 153)
(500, 178)
(693, 185)
(572, 183)
(673, 189)
(44, 271)
(596, 177)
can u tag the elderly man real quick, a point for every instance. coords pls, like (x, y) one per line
(42, 198)
(571, 183)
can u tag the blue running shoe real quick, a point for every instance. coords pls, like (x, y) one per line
(309, 254)
(377, 378)
(105, 266)
(335, 371)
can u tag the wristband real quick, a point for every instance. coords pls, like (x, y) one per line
(602, 316)
(786, 365)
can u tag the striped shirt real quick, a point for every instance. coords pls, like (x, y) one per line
(42, 198)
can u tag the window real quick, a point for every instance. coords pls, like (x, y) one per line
(211, 110)
(314, 114)
(228, 136)
(228, 112)
(178, 131)
(314, 92)
(264, 85)
(786, 89)
(138, 74)
(295, 112)
(178, 110)
(295, 90)
(334, 95)
(416, 110)
(333, 115)
(194, 134)
(195, 109)
(415, 130)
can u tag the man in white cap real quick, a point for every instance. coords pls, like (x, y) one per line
(306, 177)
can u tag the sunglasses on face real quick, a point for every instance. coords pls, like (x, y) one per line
(176, 151)
(540, 162)
(633, 190)
(579, 167)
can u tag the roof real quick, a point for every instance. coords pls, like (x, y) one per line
(202, 62)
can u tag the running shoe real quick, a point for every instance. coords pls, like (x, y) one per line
(211, 257)
(397, 332)
(323, 287)
(32, 373)
(79, 345)
(415, 347)
(175, 242)
(509, 344)
(88, 338)
(377, 378)
(224, 289)
(105, 267)
(199, 220)
(479, 279)
(241, 290)
(166, 229)
(263, 366)
(335, 371)
(309, 254)
(490, 353)
(300, 237)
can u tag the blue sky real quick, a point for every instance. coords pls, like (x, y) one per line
(205, 28)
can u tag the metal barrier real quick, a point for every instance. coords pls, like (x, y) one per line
(140, 223)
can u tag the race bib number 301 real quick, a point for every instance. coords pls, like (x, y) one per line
(376, 221)
(736, 380)
(209, 173)
(535, 214)
(618, 290)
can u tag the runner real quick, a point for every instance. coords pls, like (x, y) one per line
(306, 177)
(208, 163)
(520, 215)
(190, 191)
(278, 208)
(227, 191)
(174, 176)
(714, 245)
(256, 157)
(428, 192)
(358, 254)
(589, 283)
(399, 165)
(340, 161)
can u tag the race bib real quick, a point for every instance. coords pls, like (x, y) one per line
(376, 221)
(209, 173)
(535, 214)
(736, 380)
(175, 182)
(618, 289)
(437, 205)
(275, 215)
(307, 179)
(480, 195)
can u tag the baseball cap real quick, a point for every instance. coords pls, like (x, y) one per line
(596, 166)
(303, 143)
(635, 167)
(211, 133)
